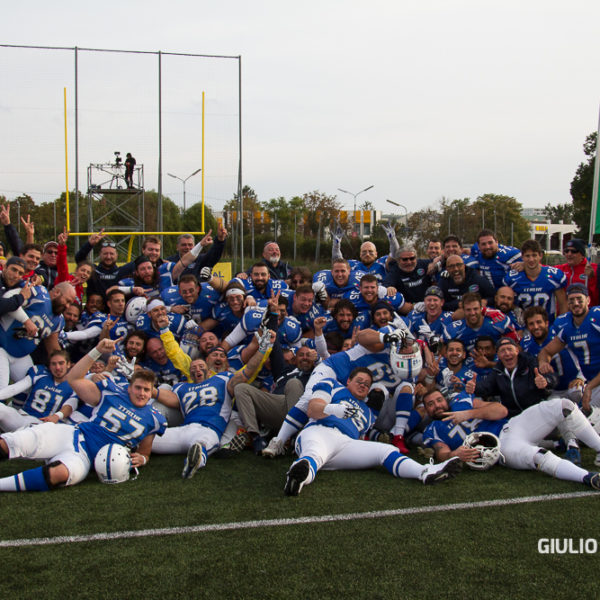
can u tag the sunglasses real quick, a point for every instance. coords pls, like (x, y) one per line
(109, 245)
(51, 252)
(570, 251)
(408, 259)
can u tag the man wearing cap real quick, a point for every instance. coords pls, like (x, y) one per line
(579, 270)
(11, 278)
(107, 273)
(47, 268)
(578, 330)
(428, 318)
(145, 280)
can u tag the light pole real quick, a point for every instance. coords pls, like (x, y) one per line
(405, 212)
(183, 181)
(354, 196)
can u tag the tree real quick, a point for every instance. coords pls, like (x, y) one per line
(582, 187)
(321, 209)
(560, 212)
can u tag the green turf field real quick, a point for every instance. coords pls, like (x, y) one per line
(488, 551)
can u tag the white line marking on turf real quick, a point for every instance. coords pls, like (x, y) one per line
(119, 535)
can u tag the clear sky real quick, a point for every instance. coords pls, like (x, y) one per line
(422, 99)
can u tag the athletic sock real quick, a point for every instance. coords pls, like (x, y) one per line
(32, 480)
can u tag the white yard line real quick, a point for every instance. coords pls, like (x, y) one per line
(119, 535)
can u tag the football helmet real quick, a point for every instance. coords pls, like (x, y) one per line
(406, 359)
(488, 445)
(113, 464)
(134, 308)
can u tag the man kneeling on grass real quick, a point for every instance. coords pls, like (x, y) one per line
(122, 416)
(339, 417)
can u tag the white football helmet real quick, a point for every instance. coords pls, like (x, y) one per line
(488, 445)
(113, 464)
(134, 308)
(406, 359)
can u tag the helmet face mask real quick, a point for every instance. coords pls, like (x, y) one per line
(406, 359)
(113, 464)
(488, 445)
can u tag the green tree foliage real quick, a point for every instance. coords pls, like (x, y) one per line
(560, 212)
(582, 187)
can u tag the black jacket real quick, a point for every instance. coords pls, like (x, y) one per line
(413, 284)
(517, 391)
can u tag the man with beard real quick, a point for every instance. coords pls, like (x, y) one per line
(340, 280)
(504, 301)
(145, 280)
(495, 260)
(368, 296)
(260, 285)
(462, 279)
(278, 269)
(475, 324)
(430, 318)
(45, 309)
(579, 270)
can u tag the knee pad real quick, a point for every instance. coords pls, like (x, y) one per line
(548, 462)
(574, 420)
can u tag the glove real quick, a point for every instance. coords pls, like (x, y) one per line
(419, 306)
(389, 231)
(395, 336)
(124, 367)
(381, 291)
(264, 340)
(445, 274)
(319, 290)
(341, 411)
(338, 234)
(205, 274)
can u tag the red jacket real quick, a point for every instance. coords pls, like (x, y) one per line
(62, 266)
(576, 275)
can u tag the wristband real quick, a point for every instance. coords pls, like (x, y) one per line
(94, 354)
(145, 460)
(196, 249)
(60, 415)
(429, 378)
(381, 337)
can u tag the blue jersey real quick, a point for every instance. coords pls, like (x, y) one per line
(288, 333)
(207, 403)
(376, 268)
(495, 269)
(120, 329)
(177, 324)
(166, 373)
(116, 420)
(539, 292)
(86, 317)
(363, 320)
(46, 396)
(564, 363)
(226, 318)
(584, 340)
(422, 329)
(334, 393)
(453, 435)
(306, 319)
(201, 309)
(333, 290)
(459, 330)
(39, 310)
(332, 326)
(378, 363)
(452, 383)
(273, 286)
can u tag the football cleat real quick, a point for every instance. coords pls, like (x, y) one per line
(296, 477)
(275, 448)
(398, 441)
(593, 480)
(193, 460)
(442, 471)
(573, 455)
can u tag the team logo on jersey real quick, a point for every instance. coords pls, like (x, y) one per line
(474, 288)
(420, 272)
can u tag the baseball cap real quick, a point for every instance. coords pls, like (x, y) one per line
(16, 260)
(141, 260)
(577, 245)
(503, 341)
(49, 244)
(434, 290)
(577, 288)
